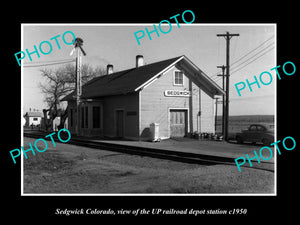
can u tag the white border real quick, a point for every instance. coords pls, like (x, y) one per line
(151, 24)
(275, 115)
(22, 113)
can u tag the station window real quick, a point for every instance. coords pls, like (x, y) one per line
(82, 117)
(86, 117)
(178, 78)
(35, 119)
(96, 117)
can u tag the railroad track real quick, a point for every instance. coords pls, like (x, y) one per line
(185, 157)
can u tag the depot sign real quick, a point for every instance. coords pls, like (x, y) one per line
(177, 93)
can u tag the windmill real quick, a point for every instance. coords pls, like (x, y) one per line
(78, 46)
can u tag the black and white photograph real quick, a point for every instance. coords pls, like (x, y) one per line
(145, 108)
(142, 110)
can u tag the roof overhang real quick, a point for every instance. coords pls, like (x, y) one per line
(158, 75)
(203, 81)
(196, 75)
(200, 78)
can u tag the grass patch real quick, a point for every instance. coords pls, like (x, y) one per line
(47, 162)
(73, 169)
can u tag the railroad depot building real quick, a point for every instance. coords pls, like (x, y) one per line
(174, 93)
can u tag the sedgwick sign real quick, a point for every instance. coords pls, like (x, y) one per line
(177, 93)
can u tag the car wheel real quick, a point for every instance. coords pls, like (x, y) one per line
(265, 141)
(239, 140)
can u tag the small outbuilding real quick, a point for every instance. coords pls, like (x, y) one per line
(174, 94)
(33, 118)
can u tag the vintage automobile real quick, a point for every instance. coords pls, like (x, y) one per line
(257, 133)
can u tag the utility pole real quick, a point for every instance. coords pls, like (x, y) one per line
(78, 46)
(223, 98)
(216, 115)
(78, 88)
(227, 37)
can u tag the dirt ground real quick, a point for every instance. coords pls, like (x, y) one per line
(74, 169)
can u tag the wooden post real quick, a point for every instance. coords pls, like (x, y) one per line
(223, 98)
(78, 88)
(227, 36)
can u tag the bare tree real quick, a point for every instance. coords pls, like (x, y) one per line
(59, 83)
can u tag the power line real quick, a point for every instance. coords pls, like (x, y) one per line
(217, 78)
(253, 60)
(49, 64)
(236, 67)
(252, 50)
(51, 61)
(254, 55)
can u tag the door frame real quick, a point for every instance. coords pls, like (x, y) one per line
(115, 123)
(187, 119)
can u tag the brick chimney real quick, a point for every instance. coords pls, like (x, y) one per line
(109, 69)
(139, 61)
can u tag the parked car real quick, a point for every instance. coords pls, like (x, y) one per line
(262, 133)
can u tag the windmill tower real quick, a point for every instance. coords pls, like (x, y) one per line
(78, 47)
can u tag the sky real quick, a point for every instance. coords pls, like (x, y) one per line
(116, 44)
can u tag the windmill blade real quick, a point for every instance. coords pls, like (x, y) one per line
(79, 41)
(82, 50)
(71, 53)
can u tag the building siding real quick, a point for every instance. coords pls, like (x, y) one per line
(108, 107)
(88, 129)
(30, 121)
(155, 106)
(130, 104)
(138, 110)
(207, 114)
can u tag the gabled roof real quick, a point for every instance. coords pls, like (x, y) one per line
(34, 114)
(134, 79)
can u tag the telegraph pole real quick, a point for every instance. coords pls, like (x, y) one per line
(223, 98)
(216, 114)
(78, 86)
(227, 37)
